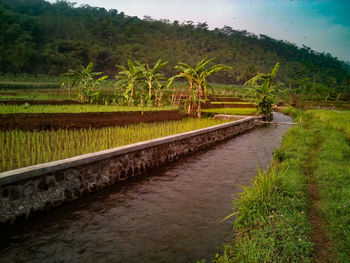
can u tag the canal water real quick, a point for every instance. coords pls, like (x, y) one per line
(171, 215)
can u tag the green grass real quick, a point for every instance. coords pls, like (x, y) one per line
(333, 179)
(54, 94)
(231, 102)
(339, 120)
(231, 111)
(271, 214)
(10, 109)
(46, 146)
(271, 223)
(28, 85)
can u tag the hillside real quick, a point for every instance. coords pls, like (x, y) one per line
(44, 38)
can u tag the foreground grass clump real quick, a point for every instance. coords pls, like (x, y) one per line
(271, 223)
(21, 148)
(231, 111)
(10, 109)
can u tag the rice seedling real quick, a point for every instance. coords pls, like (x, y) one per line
(22, 148)
(10, 109)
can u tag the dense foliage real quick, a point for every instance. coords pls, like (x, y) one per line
(39, 37)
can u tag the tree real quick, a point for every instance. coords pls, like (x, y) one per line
(129, 80)
(152, 77)
(84, 80)
(263, 88)
(197, 82)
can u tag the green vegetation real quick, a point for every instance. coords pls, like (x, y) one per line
(231, 102)
(333, 179)
(28, 85)
(46, 146)
(54, 94)
(273, 213)
(339, 120)
(196, 77)
(45, 38)
(26, 108)
(86, 83)
(271, 223)
(141, 84)
(231, 111)
(263, 90)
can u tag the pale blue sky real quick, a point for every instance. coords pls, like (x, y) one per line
(322, 25)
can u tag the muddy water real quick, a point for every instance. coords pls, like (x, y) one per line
(169, 216)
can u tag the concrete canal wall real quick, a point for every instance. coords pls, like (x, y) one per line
(41, 187)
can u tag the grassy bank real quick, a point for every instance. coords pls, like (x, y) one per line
(10, 109)
(20, 148)
(275, 214)
(333, 179)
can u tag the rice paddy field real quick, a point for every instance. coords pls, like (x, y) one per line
(231, 111)
(26, 108)
(339, 120)
(21, 148)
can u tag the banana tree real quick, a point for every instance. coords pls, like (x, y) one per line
(152, 76)
(129, 79)
(197, 91)
(86, 82)
(263, 88)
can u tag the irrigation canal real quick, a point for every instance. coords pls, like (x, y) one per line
(169, 216)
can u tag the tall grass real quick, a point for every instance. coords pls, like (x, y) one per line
(54, 94)
(21, 148)
(333, 178)
(339, 120)
(10, 109)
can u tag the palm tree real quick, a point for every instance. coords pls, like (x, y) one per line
(152, 78)
(264, 91)
(129, 80)
(86, 82)
(197, 82)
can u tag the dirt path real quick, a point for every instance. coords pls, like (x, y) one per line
(323, 247)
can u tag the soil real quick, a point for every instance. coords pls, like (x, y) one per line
(39, 102)
(323, 246)
(46, 121)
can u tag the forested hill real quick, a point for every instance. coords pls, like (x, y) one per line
(39, 37)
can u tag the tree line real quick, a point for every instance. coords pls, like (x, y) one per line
(44, 38)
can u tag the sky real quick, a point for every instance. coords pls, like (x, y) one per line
(323, 25)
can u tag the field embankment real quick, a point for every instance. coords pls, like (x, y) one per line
(297, 210)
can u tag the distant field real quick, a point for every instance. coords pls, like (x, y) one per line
(11, 109)
(231, 111)
(231, 102)
(339, 120)
(29, 85)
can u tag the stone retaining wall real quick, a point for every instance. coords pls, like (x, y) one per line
(44, 186)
